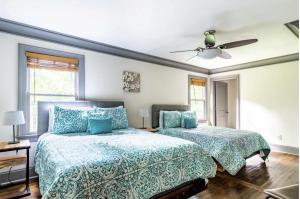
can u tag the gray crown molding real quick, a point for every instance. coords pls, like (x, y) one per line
(21, 29)
(259, 63)
(294, 27)
(17, 28)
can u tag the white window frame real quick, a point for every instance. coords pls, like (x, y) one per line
(23, 81)
(190, 77)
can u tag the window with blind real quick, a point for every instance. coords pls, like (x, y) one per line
(48, 77)
(197, 96)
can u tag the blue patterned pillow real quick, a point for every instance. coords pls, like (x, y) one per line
(99, 126)
(172, 119)
(69, 120)
(118, 114)
(190, 123)
(187, 114)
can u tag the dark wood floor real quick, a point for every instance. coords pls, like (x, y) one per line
(249, 183)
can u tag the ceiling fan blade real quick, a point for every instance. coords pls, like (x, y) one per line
(237, 43)
(225, 55)
(189, 59)
(181, 51)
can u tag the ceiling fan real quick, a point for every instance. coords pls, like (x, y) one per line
(211, 51)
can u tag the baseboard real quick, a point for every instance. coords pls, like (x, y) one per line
(285, 149)
(16, 175)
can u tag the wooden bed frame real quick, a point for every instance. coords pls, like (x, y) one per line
(182, 191)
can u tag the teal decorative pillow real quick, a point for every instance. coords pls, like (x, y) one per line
(69, 120)
(97, 126)
(187, 114)
(190, 123)
(118, 114)
(172, 119)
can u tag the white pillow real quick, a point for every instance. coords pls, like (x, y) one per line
(161, 119)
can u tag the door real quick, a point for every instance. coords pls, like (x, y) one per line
(221, 104)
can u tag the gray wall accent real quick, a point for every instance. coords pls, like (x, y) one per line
(285, 149)
(52, 36)
(263, 62)
(23, 100)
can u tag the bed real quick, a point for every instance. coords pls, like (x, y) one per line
(127, 163)
(229, 147)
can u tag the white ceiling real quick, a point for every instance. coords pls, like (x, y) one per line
(158, 27)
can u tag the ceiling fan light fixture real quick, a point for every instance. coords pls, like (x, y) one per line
(210, 53)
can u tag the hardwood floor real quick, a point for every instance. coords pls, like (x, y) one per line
(249, 183)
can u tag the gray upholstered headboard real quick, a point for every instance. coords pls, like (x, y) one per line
(165, 107)
(44, 106)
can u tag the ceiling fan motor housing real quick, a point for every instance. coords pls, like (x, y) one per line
(210, 39)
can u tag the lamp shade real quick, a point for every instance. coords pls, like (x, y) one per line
(210, 53)
(13, 118)
(143, 112)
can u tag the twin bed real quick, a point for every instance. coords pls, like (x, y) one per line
(229, 147)
(132, 163)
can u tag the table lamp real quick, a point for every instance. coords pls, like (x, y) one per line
(143, 113)
(13, 118)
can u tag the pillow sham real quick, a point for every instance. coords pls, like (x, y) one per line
(190, 123)
(100, 126)
(118, 114)
(188, 114)
(172, 119)
(69, 120)
(51, 113)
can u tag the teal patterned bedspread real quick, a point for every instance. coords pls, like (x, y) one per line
(127, 163)
(230, 147)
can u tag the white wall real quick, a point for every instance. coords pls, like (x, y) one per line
(159, 84)
(269, 98)
(269, 95)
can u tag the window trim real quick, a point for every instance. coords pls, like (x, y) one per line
(23, 81)
(190, 77)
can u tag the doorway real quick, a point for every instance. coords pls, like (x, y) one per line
(225, 95)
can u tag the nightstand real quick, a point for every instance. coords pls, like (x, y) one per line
(13, 160)
(152, 130)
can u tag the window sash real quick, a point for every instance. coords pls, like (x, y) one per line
(30, 95)
(23, 80)
(198, 81)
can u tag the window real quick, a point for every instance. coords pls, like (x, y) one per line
(47, 75)
(197, 96)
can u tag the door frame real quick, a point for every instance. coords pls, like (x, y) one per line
(213, 96)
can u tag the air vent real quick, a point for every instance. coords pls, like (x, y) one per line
(294, 27)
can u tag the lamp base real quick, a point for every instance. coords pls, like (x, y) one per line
(14, 142)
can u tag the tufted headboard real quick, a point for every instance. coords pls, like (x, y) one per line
(165, 107)
(44, 106)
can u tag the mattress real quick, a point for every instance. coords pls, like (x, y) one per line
(127, 163)
(230, 147)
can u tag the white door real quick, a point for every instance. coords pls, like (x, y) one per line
(221, 104)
